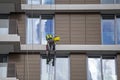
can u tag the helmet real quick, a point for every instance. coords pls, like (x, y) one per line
(49, 36)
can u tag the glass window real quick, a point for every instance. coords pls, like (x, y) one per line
(33, 30)
(118, 28)
(40, 1)
(107, 1)
(101, 68)
(47, 1)
(94, 69)
(108, 66)
(62, 69)
(3, 70)
(47, 27)
(108, 29)
(118, 1)
(3, 65)
(38, 28)
(4, 25)
(33, 1)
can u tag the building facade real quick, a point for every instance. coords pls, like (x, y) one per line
(89, 48)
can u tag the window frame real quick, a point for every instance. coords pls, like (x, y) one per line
(101, 63)
(43, 56)
(40, 33)
(115, 29)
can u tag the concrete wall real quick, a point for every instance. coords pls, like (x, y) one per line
(78, 28)
(78, 67)
(18, 25)
(27, 66)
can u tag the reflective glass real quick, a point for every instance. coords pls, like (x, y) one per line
(33, 1)
(47, 72)
(94, 69)
(108, 30)
(4, 25)
(107, 1)
(47, 27)
(118, 29)
(62, 69)
(108, 66)
(33, 30)
(47, 1)
(118, 1)
(3, 70)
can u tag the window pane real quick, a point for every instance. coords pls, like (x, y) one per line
(33, 1)
(62, 69)
(118, 28)
(47, 1)
(94, 69)
(3, 70)
(47, 71)
(109, 72)
(107, 1)
(118, 1)
(33, 30)
(4, 25)
(108, 29)
(46, 27)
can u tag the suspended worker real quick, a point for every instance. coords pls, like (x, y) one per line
(51, 45)
(51, 41)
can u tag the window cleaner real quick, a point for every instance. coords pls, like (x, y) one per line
(51, 41)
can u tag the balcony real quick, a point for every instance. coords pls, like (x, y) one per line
(9, 38)
(8, 71)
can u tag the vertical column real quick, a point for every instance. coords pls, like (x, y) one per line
(12, 24)
(32, 66)
(78, 67)
(22, 27)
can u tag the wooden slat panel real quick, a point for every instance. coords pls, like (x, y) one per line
(78, 67)
(93, 29)
(62, 1)
(22, 27)
(77, 29)
(62, 23)
(92, 1)
(77, 1)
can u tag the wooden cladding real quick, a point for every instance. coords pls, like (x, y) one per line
(77, 1)
(27, 66)
(78, 67)
(78, 28)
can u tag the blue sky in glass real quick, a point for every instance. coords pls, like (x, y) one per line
(108, 31)
(47, 1)
(37, 32)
